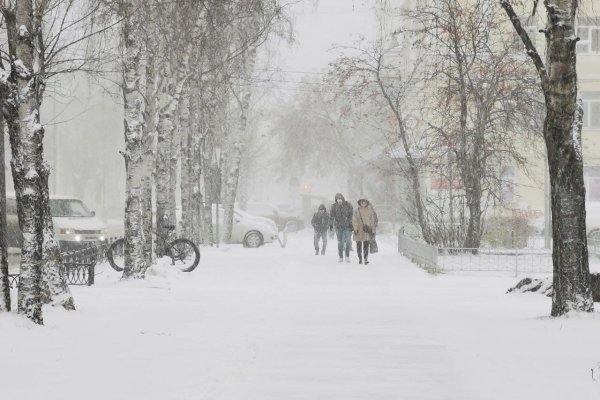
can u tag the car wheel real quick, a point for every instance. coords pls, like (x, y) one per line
(253, 239)
(291, 226)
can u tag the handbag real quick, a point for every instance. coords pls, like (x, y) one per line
(366, 228)
(373, 246)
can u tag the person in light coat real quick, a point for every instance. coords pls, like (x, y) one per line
(363, 223)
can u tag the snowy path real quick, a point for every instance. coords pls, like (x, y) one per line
(283, 324)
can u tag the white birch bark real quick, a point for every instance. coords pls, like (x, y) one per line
(41, 279)
(198, 231)
(4, 282)
(172, 84)
(185, 151)
(137, 141)
(242, 96)
(151, 117)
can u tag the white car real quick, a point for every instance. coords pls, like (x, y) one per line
(74, 224)
(245, 214)
(249, 230)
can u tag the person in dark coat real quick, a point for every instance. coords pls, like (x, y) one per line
(340, 216)
(320, 221)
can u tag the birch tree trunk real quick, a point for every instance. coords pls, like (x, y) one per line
(185, 152)
(150, 117)
(4, 282)
(167, 150)
(232, 173)
(41, 279)
(137, 141)
(199, 231)
(562, 135)
(165, 212)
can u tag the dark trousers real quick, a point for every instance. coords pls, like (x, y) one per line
(318, 236)
(362, 249)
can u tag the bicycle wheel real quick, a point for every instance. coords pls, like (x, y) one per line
(115, 255)
(184, 254)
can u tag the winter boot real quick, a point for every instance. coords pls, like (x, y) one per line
(340, 260)
(360, 260)
(316, 252)
(347, 259)
(366, 260)
(323, 252)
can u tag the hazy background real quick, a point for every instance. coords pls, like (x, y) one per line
(83, 117)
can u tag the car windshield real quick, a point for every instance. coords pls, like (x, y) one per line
(68, 208)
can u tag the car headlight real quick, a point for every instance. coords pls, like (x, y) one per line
(78, 238)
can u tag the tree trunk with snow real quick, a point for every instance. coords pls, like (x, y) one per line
(232, 173)
(165, 211)
(150, 118)
(41, 278)
(172, 86)
(562, 135)
(138, 141)
(185, 137)
(4, 282)
(196, 166)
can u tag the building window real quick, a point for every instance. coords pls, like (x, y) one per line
(530, 28)
(591, 113)
(588, 31)
(592, 183)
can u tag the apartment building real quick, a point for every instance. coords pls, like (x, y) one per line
(530, 193)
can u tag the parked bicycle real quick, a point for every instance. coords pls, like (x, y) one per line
(184, 254)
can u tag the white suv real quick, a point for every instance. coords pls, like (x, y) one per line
(74, 224)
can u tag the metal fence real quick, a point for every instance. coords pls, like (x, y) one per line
(420, 253)
(79, 266)
(515, 260)
(532, 258)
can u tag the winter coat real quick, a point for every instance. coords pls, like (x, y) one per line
(341, 214)
(363, 216)
(320, 219)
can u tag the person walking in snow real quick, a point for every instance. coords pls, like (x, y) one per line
(364, 222)
(341, 219)
(320, 221)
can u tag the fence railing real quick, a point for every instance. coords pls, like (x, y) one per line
(420, 253)
(79, 266)
(517, 260)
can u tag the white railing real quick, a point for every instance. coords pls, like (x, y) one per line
(420, 253)
(432, 258)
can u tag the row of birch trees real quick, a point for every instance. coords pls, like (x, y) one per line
(186, 74)
(184, 69)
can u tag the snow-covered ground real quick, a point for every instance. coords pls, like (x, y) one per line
(284, 324)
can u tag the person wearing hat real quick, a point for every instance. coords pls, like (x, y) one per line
(363, 224)
(340, 216)
(320, 222)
